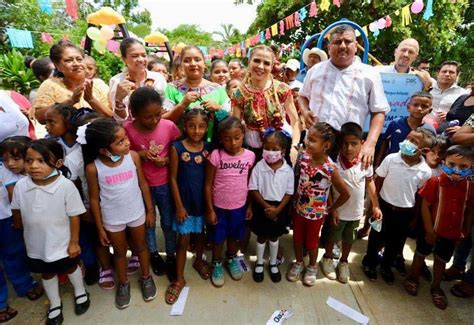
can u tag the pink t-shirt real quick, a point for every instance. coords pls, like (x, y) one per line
(159, 142)
(231, 183)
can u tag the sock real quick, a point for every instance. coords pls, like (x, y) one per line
(51, 287)
(76, 280)
(260, 252)
(273, 254)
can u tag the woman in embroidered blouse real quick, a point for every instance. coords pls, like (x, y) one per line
(70, 85)
(263, 102)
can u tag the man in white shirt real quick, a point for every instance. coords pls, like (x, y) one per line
(343, 89)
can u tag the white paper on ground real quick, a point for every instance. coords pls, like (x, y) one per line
(279, 316)
(178, 306)
(347, 311)
(244, 267)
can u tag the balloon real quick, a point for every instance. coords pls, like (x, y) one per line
(373, 27)
(99, 46)
(381, 23)
(417, 7)
(113, 46)
(93, 33)
(106, 33)
(388, 21)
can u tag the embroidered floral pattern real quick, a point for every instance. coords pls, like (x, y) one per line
(185, 156)
(198, 159)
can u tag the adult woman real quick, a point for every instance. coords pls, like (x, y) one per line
(70, 87)
(263, 102)
(42, 69)
(236, 69)
(135, 75)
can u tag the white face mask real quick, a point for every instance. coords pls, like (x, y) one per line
(271, 157)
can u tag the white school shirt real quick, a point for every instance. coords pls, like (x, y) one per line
(45, 213)
(74, 161)
(444, 99)
(121, 199)
(66, 148)
(401, 180)
(12, 120)
(347, 95)
(355, 179)
(272, 185)
(7, 178)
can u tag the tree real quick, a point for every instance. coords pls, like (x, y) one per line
(229, 34)
(189, 34)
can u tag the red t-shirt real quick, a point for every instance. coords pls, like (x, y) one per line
(449, 201)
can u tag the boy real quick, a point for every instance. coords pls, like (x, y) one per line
(447, 216)
(398, 179)
(437, 154)
(346, 219)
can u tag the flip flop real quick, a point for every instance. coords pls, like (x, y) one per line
(459, 290)
(439, 298)
(173, 292)
(7, 314)
(202, 268)
(35, 293)
(411, 286)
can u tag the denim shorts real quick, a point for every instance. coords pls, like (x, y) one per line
(230, 224)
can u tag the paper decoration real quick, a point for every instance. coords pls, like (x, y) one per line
(71, 9)
(154, 38)
(282, 27)
(406, 16)
(429, 10)
(247, 43)
(267, 34)
(290, 23)
(381, 23)
(238, 52)
(105, 16)
(45, 6)
(46, 38)
(324, 6)
(112, 45)
(262, 37)
(303, 13)
(417, 6)
(313, 9)
(20, 38)
(337, 3)
(297, 19)
(274, 29)
(388, 21)
(373, 27)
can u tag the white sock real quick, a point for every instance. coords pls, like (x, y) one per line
(273, 254)
(76, 280)
(260, 252)
(52, 291)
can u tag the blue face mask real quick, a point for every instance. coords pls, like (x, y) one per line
(114, 158)
(376, 224)
(454, 171)
(408, 148)
(52, 174)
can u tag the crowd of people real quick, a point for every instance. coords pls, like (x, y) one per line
(225, 152)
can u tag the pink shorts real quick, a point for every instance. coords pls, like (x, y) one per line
(117, 228)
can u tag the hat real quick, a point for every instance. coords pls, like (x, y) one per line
(292, 64)
(314, 50)
(295, 84)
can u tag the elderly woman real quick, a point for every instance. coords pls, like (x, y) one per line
(263, 102)
(70, 85)
(134, 76)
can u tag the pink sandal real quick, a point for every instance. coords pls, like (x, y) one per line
(106, 279)
(133, 265)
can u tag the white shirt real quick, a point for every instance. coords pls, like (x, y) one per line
(66, 148)
(7, 178)
(12, 121)
(401, 180)
(159, 84)
(443, 99)
(272, 185)
(355, 179)
(45, 213)
(390, 69)
(75, 162)
(347, 95)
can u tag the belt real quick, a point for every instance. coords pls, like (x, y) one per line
(395, 208)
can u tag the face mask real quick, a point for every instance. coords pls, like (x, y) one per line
(271, 157)
(408, 148)
(52, 174)
(112, 157)
(376, 224)
(454, 171)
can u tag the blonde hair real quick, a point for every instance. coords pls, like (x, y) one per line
(263, 48)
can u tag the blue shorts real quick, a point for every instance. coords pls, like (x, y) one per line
(230, 224)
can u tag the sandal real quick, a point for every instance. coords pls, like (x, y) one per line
(7, 314)
(463, 289)
(133, 265)
(106, 279)
(411, 286)
(173, 292)
(439, 298)
(202, 268)
(35, 293)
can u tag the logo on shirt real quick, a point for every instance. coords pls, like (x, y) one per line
(119, 178)
(235, 165)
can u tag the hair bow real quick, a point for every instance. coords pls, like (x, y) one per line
(81, 134)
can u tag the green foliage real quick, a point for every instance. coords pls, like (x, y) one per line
(189, 34)
(108, 65)
(14, 75)
(229, 34)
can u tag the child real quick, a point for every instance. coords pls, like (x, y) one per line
(225, 193)
(187, 166)
(91, 74)
(419, 105)
(316, 175)
(437, 154)
(151, 136)
(232, 85)
(47, 206)
(118, 195)
(271, 187)
(346, 220)
(12, 246)
(398, 179)
(447, 205)
(158, 66)
(59, 126)
(219, 72)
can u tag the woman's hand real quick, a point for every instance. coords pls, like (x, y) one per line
(76, 94)
(181, 215)
(73, 249)
(124, 88)
(88, 86)
(309, 118)
(189, 98)
(104, 240)
(453, 129)
(210, 105)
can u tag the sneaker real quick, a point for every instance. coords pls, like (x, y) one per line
(370, 272)
(158, 265)
(234, 268)
(294, 273)
(426, 273)
(327, 266)
(387, 274)
(171, 268)
(148, 288)
(217, 277)
(122, 299)
(399, 265)
(310, 275)
(343, 272)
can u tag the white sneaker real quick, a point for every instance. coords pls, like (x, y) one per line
(310, 275)
(328, 269)
(343, 272)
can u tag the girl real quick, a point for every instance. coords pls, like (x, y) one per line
(187, 165)
(231, 86)
(47, 206)
(58, 125)
(152, 137)
(225, 190)
(118, 194)
(219, 72)
(316, 175)
(271, 187)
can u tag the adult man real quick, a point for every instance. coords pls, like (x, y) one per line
(343, 89)
(311, 57)
(423, 65)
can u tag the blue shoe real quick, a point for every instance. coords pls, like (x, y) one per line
(217, 277)
(234, 268)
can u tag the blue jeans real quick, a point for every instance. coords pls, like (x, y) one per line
(13, 258)
(162, 197)
(88, 240)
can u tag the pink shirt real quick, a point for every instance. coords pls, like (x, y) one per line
(158, 141)
(230, 187)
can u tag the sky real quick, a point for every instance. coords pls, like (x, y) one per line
(208, 14)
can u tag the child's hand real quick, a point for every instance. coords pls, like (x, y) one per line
(73, 249)
(249, 213)
(272, 212)
(150, 221)
(104, 240)
(334, 218)
(181, 215)
(159, 161)
(431, 238)
(377, 213)
(211, 217)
